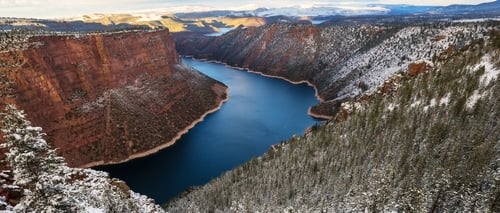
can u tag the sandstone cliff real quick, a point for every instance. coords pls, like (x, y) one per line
(427, 143)
(295, 52)
(106, 98)
(340, 61)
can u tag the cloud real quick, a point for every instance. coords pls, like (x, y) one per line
(72, 5)
(62, 8)
(433, 2)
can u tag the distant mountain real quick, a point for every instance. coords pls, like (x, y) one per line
(323, 11)
(202, 20)
(214, 13)
(292, 11)
(405, 9)
(484, 8)
(352, 10)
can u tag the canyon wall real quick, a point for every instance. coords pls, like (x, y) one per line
(342, 62)
(295, 52)
(428, 144)
(106, 98)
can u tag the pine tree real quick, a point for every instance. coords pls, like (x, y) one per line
(36, 166)
(51, 186)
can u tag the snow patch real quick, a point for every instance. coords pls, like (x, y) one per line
(145, 17)
(490, 71)
(426, 61)
(445, 100)
(350, 106)
(415, 104)
(472, 100)
(476, 20)
(433, 102)
(414, 45)
(94, 210)
(391, 106)
(90, 106)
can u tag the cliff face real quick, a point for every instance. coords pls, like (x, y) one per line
(282, 50)
(340, 61)
(295, 52)
(106, 98)
(427, 143)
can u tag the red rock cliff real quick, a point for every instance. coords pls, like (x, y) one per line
(294, 52)
(107, 98)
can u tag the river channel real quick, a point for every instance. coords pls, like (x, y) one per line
(261, 111)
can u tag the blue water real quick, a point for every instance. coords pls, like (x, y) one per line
(222, 31)
(317, 22)
(260, 112)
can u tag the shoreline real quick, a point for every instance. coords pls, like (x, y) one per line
(319, 116)
(165, 145)
(316, 92)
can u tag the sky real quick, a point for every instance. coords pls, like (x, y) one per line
(73, 8)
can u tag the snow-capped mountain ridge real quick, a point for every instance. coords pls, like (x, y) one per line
(320, 10)
(316, 9)
(488, 7)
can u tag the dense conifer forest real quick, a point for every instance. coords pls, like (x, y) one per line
(429, 143)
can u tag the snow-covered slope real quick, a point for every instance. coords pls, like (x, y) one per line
(316, 10)
(422, 147)
(492, 7)
(341, 61)
(410, 45)
(48, 185)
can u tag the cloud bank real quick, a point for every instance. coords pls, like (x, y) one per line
(60, 8)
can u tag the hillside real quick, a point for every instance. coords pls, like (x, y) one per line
(342, 62)
(104, 98)
(186, 22)
(427, 141)
(40, 181)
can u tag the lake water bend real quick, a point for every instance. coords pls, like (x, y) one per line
(261, 111)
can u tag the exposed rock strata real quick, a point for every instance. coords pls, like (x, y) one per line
(341, 61)
(295, 52)
(427, 143)
(104, 98)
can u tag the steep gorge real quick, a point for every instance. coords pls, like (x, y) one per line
(106, 98)
(342, 62)
(427, 141)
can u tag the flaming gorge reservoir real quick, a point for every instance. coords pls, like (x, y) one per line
(331, 106)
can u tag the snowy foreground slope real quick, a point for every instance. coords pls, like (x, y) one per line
(426, 142)
(48, 185)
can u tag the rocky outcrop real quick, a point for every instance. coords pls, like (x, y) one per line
(342, 62)
(107, 98)
(417, 68)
